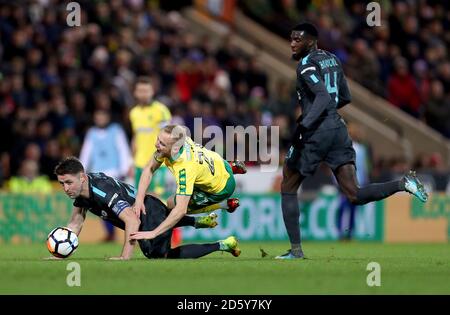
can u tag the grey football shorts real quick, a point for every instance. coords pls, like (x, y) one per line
(333, 146)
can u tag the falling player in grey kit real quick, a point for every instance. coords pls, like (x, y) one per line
(321, 136)
(111, 200)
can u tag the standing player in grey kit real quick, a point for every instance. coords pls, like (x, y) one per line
(321, 135)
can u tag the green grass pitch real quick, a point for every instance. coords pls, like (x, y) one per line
(332, 268)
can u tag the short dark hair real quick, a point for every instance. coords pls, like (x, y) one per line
(70, 165)
(143, 80)
(308, 28)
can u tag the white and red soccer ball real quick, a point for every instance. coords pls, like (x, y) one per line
(62, 242)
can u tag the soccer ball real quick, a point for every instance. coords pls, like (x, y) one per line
(62, 242)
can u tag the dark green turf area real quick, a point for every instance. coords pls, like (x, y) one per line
(332, 268)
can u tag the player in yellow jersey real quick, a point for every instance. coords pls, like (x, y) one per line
(204, 179)
(147, 118)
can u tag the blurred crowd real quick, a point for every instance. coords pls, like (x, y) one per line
(405, 59)
(54, 77)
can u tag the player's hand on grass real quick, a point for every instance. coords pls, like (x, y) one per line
(143, 235)
(139, 208)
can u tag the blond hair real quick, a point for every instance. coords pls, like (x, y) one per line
(177, 132)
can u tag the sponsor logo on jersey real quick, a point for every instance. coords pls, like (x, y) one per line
(112, 199)
(120, 206)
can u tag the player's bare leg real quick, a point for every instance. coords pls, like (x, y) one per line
(230, 205)
(292, 180)
(346, 177)
(209, 221)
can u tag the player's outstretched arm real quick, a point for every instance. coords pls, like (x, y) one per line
(173, 218)
(144, 182)
(77, 220)
(131, 226)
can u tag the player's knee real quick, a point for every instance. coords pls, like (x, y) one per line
(174, 253)
(352, 196)
(288, 187)
(146, 248)
(289, 183)
(356, 200)
(353, 200)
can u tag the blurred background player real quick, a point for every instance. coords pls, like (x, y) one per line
(111, 200)
(105, 149)
(147, 118)
(204, 179)
(321, 136)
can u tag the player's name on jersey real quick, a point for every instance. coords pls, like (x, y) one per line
(328, 63)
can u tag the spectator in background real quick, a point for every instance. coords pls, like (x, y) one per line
(189, 76)
(444, 75)
(33, 152)
(384, 61)
(423, 79)
(402, 89)
(6, 122)
(50, 158)
(78, 109)
(194, 110)
(105, 149)
(363, 67)
(29, 179)
(437, 110)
